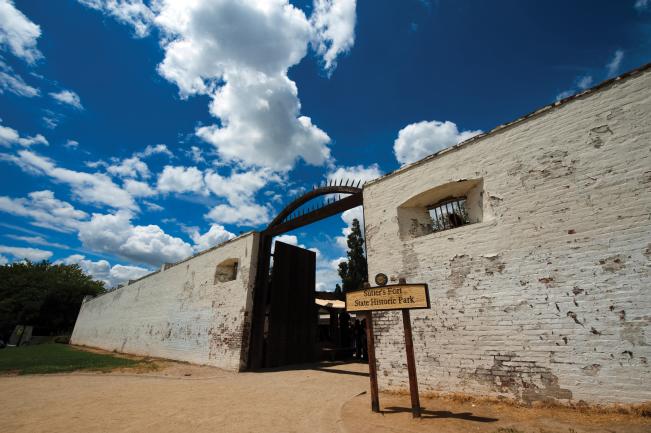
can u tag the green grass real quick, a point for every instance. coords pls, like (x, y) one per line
(56, 358)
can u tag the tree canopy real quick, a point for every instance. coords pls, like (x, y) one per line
(354, 271)
(43, 295)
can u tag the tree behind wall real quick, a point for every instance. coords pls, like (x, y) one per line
(43, 295)
(354, 271)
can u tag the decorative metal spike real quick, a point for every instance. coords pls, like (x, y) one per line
(358, 182)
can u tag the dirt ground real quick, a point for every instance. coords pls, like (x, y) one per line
(318, 398)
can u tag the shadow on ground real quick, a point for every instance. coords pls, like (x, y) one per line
(426, 413)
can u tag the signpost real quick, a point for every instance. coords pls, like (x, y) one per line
(403, 297)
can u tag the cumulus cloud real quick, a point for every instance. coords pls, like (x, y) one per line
(132, 12)
(216, 235)
(129, 167)
(244, 213)
(115, 234)
(418, 140)
(180, 179)
(95, 188)
(68, 97)
(71, 144)
(355, 173)
(102, 270)
(642, 5)
(45, 211)
(31, 254)
(9, 136)
(138, 189)
(261, 124)
(239, 53)
(334, 29)
(17, 33)
(239, 190)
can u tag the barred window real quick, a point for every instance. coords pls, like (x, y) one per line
(449, 214)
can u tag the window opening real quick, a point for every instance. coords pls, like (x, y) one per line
(449, 214)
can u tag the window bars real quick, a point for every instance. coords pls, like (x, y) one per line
(449, 214)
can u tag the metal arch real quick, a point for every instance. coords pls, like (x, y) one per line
(317, 192)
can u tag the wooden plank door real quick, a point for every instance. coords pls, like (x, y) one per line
(293, 314)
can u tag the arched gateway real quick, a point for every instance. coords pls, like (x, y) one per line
(283, 309)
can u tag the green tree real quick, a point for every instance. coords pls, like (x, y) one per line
(354, 271)
(43, 295)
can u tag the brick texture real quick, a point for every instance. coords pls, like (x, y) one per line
(549, 297)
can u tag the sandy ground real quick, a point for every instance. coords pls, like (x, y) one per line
(209, 400)
(317, 398)
(449, 416)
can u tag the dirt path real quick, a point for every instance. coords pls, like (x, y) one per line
(314, 399)
(209, 400)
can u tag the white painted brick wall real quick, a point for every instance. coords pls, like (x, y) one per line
(179, 313)
(568, 217)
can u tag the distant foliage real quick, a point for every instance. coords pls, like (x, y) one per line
(354, 271)
(43, 295)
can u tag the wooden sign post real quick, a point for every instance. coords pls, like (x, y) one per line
(403, 297)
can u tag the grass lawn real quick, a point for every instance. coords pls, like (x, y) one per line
(56, 358)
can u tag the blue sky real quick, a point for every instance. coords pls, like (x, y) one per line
(136, 133)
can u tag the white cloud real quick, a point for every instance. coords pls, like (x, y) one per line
(138, 189)
(129, 167)
(3, 260)
(584, 82)
(14, 83)
(334, 29)
(261, 124)
(239, 184)
(245, 213)
(103, 271)
(418, 140)
(18, 33)
(9, 136)
(216, 235)
(180, 179)
(114, 234)
(612, 67)
(131, 12)
(348, 216)
(36, 240)
(31, 254)
(71, 144)
(246, 48)
(355, 174)
(68, 97)
(96, 188)
(45, 211)
(153, 150)
(642, 5)
(196, 154)
(239, 190)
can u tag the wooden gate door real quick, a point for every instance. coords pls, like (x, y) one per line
(293, 314)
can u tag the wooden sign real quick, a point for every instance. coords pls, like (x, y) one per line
(392, 297)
